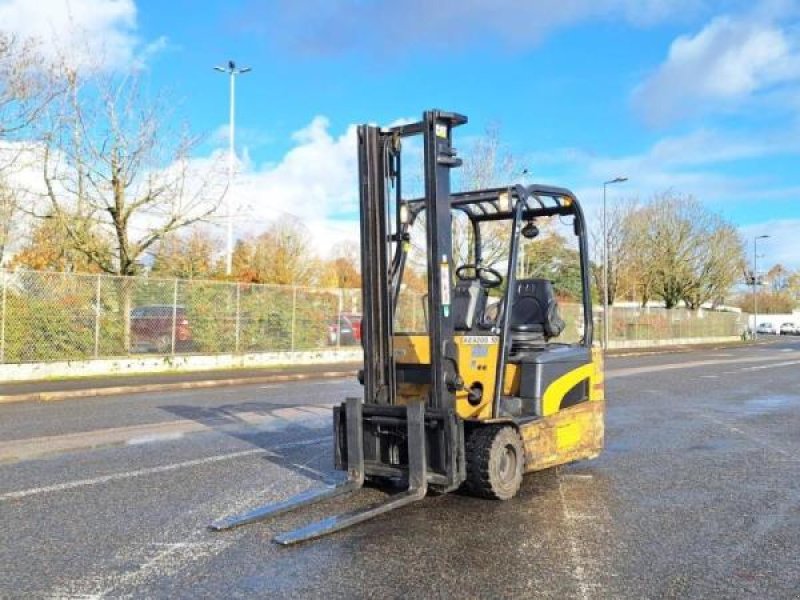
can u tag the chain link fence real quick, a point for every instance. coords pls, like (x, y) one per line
(626, 324)
(635, 324)
(66, 316)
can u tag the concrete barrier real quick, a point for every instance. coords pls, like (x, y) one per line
(623, 344)
(206, 362)
(167, 364)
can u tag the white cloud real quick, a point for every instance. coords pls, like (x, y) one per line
(689, 163)
(97, 33)
(315, 181)
(728, 61)
(319, 26)
(694, 163)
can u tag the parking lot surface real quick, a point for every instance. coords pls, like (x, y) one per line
(697, 495)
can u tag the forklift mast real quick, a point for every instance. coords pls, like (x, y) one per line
(379, 162)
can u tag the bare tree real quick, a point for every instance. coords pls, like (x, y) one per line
(778, 278)
(26, 88)
(620, 249)
(684, 252)
(487, 163)
(116, 175)
(26, 85)
(9, 211)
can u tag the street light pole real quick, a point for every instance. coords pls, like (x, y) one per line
(605, 260)
(232, 70)
(755, 283)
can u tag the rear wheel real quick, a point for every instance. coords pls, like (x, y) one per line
(495, 462)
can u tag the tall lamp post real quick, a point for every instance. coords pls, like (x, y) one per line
(755, 283)
(605, 259)
(232, 70)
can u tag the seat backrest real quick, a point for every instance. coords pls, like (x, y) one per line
(535, 309)
(469, 302)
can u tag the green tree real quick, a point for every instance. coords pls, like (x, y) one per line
(549, 256)
(188, 255)
(283, 254)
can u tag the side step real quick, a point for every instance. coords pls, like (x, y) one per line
(417, 483)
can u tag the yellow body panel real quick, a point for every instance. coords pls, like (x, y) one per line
(597, 387)
(558, 437)
(556, 391)
(476, 362)
(571, 434)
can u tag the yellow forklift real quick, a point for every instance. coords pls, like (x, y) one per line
(484, 392)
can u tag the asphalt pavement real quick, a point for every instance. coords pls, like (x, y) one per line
(697, 495)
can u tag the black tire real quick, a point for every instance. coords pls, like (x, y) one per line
(495, 462)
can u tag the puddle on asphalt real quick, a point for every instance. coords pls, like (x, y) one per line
(711, 445)
(766, 404)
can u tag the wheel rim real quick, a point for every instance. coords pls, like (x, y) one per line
(508, 463)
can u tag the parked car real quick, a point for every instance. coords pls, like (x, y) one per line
(152, 328)
(789, 329)
(767, 328)
(345, 329)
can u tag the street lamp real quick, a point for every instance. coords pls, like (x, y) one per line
(605, 260)
(232, 70)
(755, 283)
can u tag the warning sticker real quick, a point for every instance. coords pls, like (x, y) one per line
(445, 279)
(478, 340)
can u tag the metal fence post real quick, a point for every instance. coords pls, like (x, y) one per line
(238, 314)
(294, 314)
(174, 313)
(339, 320)
(3, 318)
(97, 318)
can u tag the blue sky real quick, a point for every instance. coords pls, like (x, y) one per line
(699, 96)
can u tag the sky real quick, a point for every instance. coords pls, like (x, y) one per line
(699, 97)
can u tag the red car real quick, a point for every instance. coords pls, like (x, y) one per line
(151, 328)
(345, 330)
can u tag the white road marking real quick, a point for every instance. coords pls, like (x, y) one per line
(578, 571)
(627, 372)
(127, 475)
(585, 563)
(69, 485)
(158, 437)
(776, 365)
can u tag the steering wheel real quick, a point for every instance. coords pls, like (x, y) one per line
(488, 277)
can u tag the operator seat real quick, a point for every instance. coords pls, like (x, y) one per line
(469, 304)
(534, 315)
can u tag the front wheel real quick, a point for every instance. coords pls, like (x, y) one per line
(495, 462)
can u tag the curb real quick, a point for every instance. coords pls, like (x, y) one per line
(53, 396)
